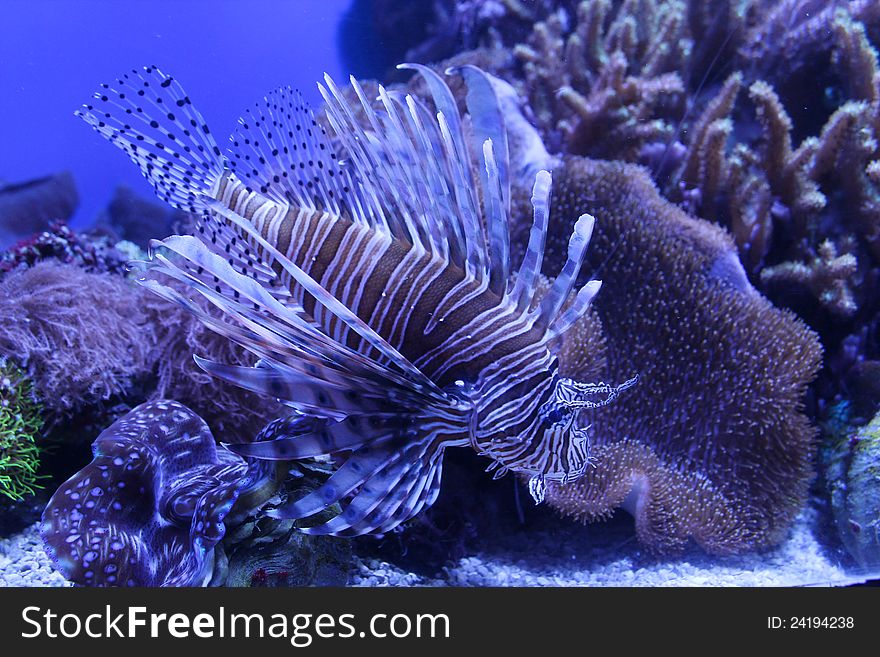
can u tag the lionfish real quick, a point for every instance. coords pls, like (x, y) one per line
(368, 268)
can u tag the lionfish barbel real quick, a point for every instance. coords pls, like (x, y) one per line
(368, 269)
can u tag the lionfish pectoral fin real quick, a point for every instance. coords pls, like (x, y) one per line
(326, 396)
(285, 439)
(537, 488)
(390, 474)
(148, 115)
(526, 283)
(392, 486)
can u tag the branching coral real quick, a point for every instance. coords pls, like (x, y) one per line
(20, 426)
(785, 38)
(827, 277)
(845, 158)
(711, 445)
(607, 86)
(746, 188)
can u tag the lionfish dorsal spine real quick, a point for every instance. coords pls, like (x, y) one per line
(548, 310)
(499, 232)
(530, 270)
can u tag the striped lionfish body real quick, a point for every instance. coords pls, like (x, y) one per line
(370, 273)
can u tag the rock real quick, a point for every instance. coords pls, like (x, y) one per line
(31, 206)
(852, 463)
(138, 219)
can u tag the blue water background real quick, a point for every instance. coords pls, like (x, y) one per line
(226, 53)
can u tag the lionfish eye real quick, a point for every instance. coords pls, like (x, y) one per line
(554, 413)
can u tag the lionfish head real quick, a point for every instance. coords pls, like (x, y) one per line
(538, 426)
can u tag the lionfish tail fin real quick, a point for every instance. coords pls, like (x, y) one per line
(148, 115)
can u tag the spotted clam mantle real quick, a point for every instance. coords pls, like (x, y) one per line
(150, 508)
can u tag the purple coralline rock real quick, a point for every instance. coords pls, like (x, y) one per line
(138, 219)
(31, 206)
(150, 508)
(92, 252)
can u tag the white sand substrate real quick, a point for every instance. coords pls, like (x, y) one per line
(568, 556)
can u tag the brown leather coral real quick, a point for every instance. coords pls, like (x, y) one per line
(712, 445)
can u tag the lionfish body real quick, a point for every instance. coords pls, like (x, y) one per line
(370, 274)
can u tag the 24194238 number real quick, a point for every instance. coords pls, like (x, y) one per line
(810, 623)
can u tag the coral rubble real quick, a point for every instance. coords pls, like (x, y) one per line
(92, 252)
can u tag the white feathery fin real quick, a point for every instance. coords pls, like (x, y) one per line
(527, 279)
(388, 483)
(465, 190)
(309, 394)
(487, 121)
(148, 115)
(412, 184)
(467, 214)
(487, 125)
(414, 170)
(582, 301)
(499, 236)
(547, 312)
